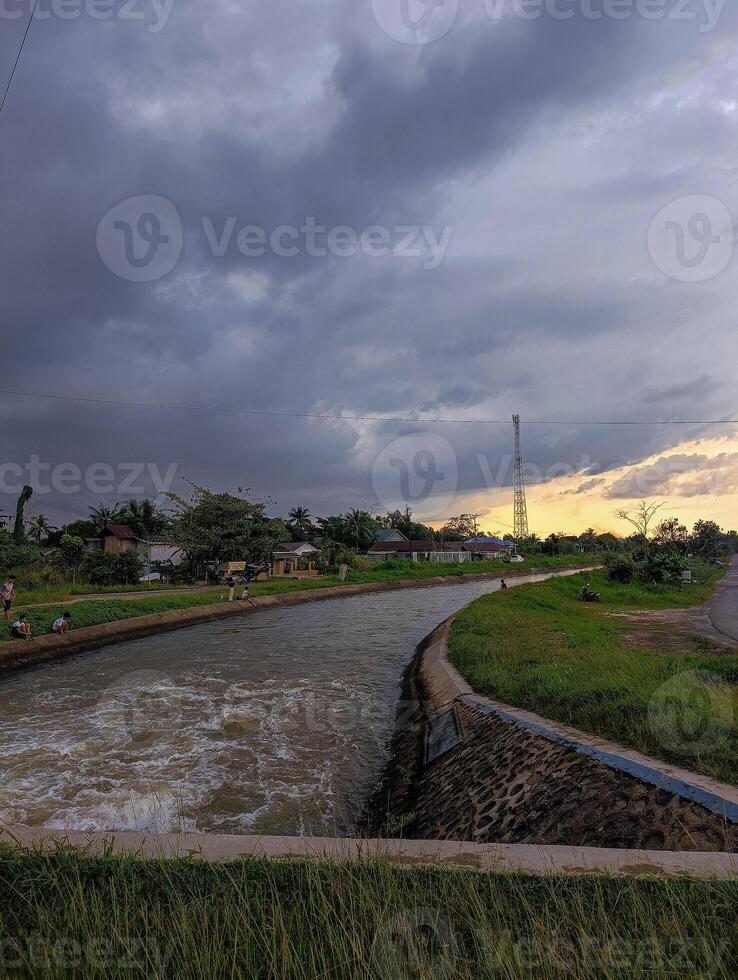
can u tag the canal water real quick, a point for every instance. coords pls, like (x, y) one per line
(277, 723)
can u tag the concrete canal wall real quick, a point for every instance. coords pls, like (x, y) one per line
(514, 778)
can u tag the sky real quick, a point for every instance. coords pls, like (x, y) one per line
(324, 250)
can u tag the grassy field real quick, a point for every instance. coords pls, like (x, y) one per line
(608, 669)
(67, 916)
(98, 611)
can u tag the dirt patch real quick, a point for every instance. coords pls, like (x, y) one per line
(686, 632)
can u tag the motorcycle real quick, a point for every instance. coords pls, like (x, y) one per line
(587, 595)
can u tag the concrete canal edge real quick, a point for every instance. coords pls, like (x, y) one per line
(404, 854)
(18, 653)
(443, 686)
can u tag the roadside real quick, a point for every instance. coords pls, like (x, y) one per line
(724, 612)
(618, 670)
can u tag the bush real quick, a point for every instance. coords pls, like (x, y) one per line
(124, 568)
(363, 564)
(38, 577)
(661, 568)
(620, 569)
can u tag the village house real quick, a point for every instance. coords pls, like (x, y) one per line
(394, 544)
(297, 560)
(117, 538)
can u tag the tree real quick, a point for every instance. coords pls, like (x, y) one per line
(72, 553)
(144, 518)
(39, 529)
(362, 528)
(671, 534)
(402, 521)
(19, 535)
(102, 515)
(217, 527)
(707, 540)
(301, 523)
(642, 520)
(461, 528)
(588, 539)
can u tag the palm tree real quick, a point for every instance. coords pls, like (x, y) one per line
(143, 517)
(301, 521)
(102, 515)
(39, 528)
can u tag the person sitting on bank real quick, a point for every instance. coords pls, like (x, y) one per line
(21, 628)
(61, 625)
(503, 584)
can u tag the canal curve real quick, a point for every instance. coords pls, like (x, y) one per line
(277, 723)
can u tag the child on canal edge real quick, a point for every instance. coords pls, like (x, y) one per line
(61, 625)
(21, 628)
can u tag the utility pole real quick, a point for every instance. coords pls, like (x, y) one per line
(520, 522)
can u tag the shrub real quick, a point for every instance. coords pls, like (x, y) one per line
(620, 569)
(363, 564)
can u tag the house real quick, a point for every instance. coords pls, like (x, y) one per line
(297, 559)
(117, 538)
(446, 552)
(491, 548)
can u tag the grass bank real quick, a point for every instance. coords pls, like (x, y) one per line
(611, 669)
(96, 612)
(64, 915)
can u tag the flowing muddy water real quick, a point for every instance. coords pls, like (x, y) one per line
(277, 723)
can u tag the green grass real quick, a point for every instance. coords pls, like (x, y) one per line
(95, 612)
(68, 591)
(68, 916)
(538, 647)
(99, 611)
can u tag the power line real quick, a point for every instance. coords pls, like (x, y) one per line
(20, 52)
(216, 410)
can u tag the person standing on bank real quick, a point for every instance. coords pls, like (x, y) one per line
(7, 593)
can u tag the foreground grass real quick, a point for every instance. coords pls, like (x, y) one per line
(66, 916)
(538, 647)
(95, 612)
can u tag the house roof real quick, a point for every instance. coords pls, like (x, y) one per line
(387, 535)
(390, 547)
(293, 547)
(489, 544)
(121, 531)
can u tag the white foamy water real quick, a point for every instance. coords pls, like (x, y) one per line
(277, 723)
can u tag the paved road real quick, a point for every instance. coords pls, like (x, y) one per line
(724, 612)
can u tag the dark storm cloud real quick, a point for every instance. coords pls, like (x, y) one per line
(273, 115)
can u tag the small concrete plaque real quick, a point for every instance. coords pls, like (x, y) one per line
(441, 735)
